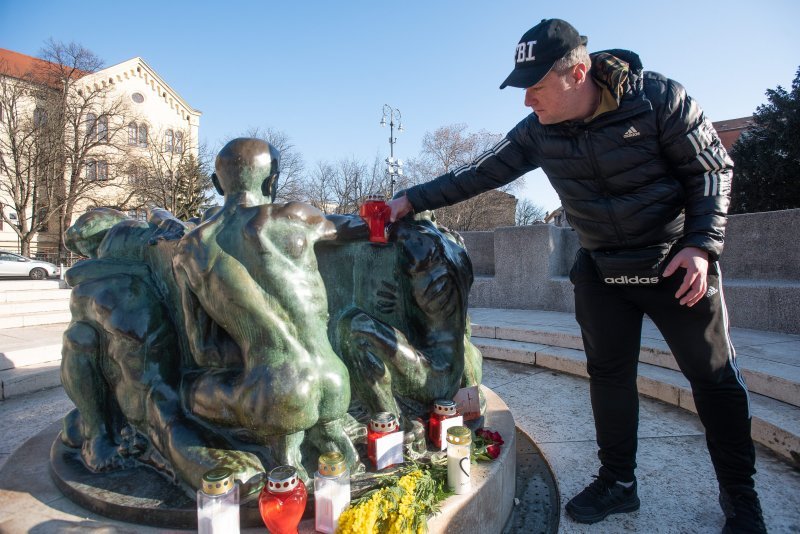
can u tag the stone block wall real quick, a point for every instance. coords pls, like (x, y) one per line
(527, 267)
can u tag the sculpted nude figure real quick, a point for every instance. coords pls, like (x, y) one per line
(121, 360)
(256, 315)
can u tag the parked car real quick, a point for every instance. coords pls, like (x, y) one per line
(12, 264)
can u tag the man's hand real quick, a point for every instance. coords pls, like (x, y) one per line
(695, 283)
(400, 207)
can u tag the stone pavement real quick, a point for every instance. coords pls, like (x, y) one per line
(676, 481)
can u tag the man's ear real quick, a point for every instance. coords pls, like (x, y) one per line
(579, 73)
(215, 181)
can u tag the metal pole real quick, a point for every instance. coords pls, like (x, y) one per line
(391, 155)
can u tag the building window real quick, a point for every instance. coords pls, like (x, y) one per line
(44, 220)
(39, 117)
(91, 126)
(102, 129)
(133, 134)
(91, 170)
(136, 176)
(137, 97)
(143, 135)
(169, 143)
(179, 142)
(102, 170)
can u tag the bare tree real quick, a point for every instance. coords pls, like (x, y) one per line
(528, 213)
(318, 189)
(341, 187)
(25, 155)
(88, 126)
(448, 148)
(167, 174)
(291, 184)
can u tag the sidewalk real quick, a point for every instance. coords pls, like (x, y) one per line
(676, 482)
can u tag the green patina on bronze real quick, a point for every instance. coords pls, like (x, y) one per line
(237, 342)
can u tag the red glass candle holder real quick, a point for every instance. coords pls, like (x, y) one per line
(283, 500)
(380, 425)
(442, 409)
(375, 213)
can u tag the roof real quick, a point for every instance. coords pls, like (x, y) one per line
(19, 65)
(733, 124)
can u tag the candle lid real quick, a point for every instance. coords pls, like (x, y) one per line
(218, 481)
(373, 198)
(459, 435)
(332, 464)
(282, 479)
(383, 422)
(444, 407)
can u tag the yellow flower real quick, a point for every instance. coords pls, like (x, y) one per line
(392, 509)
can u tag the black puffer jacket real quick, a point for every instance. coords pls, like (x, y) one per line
(652, 171)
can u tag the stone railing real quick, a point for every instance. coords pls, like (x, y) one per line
(526, 267)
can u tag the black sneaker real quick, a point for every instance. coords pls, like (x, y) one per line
(743, 512)
(601, 498)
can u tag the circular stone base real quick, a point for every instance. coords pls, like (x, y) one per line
(142, 496)
(136, 495)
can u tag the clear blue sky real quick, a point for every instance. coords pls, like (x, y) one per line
(321, 71)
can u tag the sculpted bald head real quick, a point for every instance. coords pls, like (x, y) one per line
(247, 165)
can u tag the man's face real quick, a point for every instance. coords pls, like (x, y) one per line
(554, 98)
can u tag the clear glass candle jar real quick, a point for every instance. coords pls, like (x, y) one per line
(331, 491)
(459, 443)
(283, 500)
(218, 503)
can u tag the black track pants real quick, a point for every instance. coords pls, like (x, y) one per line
(610, 317)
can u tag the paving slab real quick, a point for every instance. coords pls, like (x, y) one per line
(676, 481)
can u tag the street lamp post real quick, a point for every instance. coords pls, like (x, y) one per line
(394, 167)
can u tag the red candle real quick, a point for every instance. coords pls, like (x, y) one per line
(442, 409)
(375, 213)
(380, 424)
(283, 500)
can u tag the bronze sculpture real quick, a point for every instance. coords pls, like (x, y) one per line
(234, 341)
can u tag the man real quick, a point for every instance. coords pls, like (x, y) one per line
(645, 182)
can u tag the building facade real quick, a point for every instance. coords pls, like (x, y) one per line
(126, 133)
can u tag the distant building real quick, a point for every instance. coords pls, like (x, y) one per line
(730, 130)
(557, 217)
(503, 210)
(152, 118)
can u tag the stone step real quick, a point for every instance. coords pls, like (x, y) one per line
(775, 424)
(769, 361)
(34, 319)
(23, 295)
(39, 376)
(12, 309)
(23, 357)
(25, 285)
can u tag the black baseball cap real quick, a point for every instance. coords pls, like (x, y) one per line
(539, 48)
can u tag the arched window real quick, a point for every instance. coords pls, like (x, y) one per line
(102, 170)
(169, 143)
(91, 126)
(102, 129)
(39, 117)
(178, 142)
(142, 135)
(91, 170)
(133, 133)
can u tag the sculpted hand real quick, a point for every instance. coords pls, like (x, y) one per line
(695, 283)
(400, 208)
